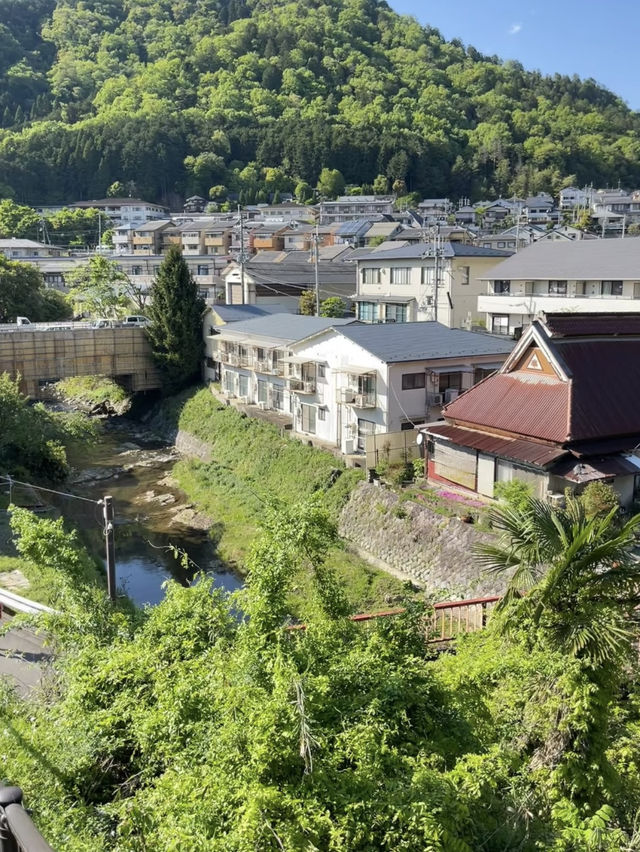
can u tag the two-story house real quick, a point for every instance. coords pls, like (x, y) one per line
(566, 275)
(147, 238)
(348, 207)
(561, 412)
(356, 380)
(121, 211)
(17, 249)
(423, 281)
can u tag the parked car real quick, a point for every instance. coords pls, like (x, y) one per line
(23, 321)
(104, 323)
(136, 319)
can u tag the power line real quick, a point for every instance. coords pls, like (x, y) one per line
(13, 482)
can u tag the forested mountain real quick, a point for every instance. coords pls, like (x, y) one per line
(186, 95)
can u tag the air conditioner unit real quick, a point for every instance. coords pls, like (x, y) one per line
(243, 399)
(349, 446)
(437, 398)
(450, 394)
(557, 500)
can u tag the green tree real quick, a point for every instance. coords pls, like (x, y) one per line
(599, 499)
(176, 322)
(99, 288)
(17, 220)
(381, 185)
(77, 227)
(21, 291)
(334, 306)
(307, 303)
(331, 183)
(117, 190)
(303, 192)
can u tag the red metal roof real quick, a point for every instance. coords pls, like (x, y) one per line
(536, 407)
(577, 471)
(529, 452)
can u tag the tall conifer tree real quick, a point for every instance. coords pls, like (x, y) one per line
(176, 322)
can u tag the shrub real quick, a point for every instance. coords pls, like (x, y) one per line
(516, 493)
(598, 498)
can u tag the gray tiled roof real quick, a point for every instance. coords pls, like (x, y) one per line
(580, 260)
(423, 341)
(419, 250)
(286, 327)
(236, 313)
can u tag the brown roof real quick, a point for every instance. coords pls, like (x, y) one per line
(517, 404)
(599, 354)
(576, 471)
(529, 452)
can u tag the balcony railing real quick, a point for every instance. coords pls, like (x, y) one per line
(17, 831)
(529, 295)
(351, 396)
(301, 385)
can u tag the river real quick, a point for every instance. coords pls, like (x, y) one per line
(152, 515)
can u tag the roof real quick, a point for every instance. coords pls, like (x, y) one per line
(591, 398)
(156, 225)
(235, 313)
(529, 452)
(285, 327)
(115, 202)
(426, 249)
(588, 260)
(357, 227)
(382, 229)
(423, 341)
(15, 242)
(301, 273)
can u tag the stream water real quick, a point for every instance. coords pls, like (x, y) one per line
(152, 515)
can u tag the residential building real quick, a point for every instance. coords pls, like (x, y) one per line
(195, 204)
(423, 281)
(17, 249)
(540, 210)
(123, 239)
(568, 275)
(353, 233)
(561, 412)
(351, 381)
(381, 231)
(267, 236)
(278, 285)
(251, 358)
(205, 269)
(147, 238)
(571, 197)
(286, 211)
(121, 211)
(348, 207)
(512, 239)
(205, 236)
(433, 210)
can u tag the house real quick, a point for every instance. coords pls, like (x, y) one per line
(434, 210)
(353, 233)
(423, 281)
(561, 412)
(252, 357)
(195, 204)
(571, 197)
(540, 209)
(123, 239)
(17, 249)
(356, 380)
(142, 270)
(512, 239)
(287, 211)
(568, 275)
(278, 285)
(381, 231)
(147, 238)
(205, 237)
(348, 207)
(121, 211)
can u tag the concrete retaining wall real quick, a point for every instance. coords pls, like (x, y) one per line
(431, 549)
(188, 445)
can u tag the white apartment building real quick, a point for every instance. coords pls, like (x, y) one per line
(17, 249)
(572, 197)
(349, 207)
(341, 381)
(581, 276)
(122, 211)
(423, 281)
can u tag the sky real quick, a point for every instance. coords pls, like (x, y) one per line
(590, 38)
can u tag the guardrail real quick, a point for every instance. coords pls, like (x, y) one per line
(14, 604)
(17, 831)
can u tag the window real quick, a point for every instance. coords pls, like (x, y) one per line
(611, 288)
(465, 272)
(450, 380)
(406, 426)
(557, 288)
(500, 324)
(502, 286)
(136, 270)
(308, 418)
(400, 274)
(427, 275)
(243, 385)
(322, 371)
(366, 311)
(203, 270)
(395, 313)
(411, 381)
(263, 391)
(322, 413)
(228, 381)
(370, 276)
(501, 244)
(277, 395)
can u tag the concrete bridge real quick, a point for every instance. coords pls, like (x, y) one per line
(41, 354)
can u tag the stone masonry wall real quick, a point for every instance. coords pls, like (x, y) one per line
(434, 550)
(188, 445)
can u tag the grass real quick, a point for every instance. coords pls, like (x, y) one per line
(92, 390)
(38, 589)
(253, 463)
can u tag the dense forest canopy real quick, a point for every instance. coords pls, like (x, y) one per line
(182, 97)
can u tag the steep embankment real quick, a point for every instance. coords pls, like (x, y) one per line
(237, 464)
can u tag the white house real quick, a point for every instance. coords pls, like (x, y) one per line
(122, 211)
(423, 281)
(16, 249)
(585, 276)
(355, 380)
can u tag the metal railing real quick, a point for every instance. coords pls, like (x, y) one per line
(17, 831)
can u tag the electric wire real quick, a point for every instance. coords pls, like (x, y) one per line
(13, 481)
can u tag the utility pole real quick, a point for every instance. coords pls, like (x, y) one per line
(107, 505)
(316, 238)
(241, 254)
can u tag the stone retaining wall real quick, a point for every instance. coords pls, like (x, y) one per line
(188, 445)
(431, 549)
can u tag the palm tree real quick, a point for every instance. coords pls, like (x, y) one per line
(574, 577)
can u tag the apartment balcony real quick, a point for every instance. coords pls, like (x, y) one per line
(351, 396)
(531, 304)
(264, 366)
(304, 386)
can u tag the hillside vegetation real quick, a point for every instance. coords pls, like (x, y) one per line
(257, 96)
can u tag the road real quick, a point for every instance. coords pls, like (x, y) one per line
(23, 658)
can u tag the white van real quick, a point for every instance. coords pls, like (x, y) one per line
(136, 319)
